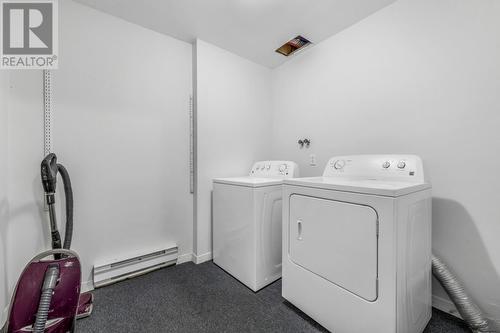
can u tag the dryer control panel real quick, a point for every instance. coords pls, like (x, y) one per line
(377, 167)
(285, 169)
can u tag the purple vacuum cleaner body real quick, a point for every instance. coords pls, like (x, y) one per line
(47, 298)
(47, 294)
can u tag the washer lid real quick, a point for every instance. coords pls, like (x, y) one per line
(364, 186)
(250, 181)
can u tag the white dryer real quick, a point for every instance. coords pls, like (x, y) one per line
(247, 223)
(357, 244)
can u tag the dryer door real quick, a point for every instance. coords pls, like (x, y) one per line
(337, 241)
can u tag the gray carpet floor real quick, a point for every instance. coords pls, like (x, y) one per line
(204, 298)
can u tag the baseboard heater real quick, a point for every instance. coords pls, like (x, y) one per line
(119, 270)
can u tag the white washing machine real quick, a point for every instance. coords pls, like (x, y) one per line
(357, 244)
(247, 223)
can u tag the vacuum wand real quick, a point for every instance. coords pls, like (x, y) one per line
(56, 237)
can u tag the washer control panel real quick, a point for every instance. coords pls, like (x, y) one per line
(384, 167)
(339, 164)
(286, 169)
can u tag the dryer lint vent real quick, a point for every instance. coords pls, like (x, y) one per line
(293, 46)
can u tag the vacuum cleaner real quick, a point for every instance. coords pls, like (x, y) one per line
(47, 297)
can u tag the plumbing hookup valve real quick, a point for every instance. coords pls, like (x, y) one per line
(304, 142)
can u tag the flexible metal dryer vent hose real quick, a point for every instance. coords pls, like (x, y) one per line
(465, 306)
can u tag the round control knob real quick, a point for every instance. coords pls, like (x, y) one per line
(268, 167)
(386, 165)
(339, 164)
(283, 168)
(401, 164)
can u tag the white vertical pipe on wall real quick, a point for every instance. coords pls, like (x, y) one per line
(191, 144)
(194, 83)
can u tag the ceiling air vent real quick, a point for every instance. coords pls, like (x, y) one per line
(293, 46)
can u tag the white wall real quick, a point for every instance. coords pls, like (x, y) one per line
(25, 230)
(122, 130)
(121, 123)
(4, 199)
(233, 126)
(417, 77)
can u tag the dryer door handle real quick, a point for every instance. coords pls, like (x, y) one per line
(299, 229)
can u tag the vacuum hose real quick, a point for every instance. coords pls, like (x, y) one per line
(49, 170)
(49, 284)
(68, 193)
(465, 306)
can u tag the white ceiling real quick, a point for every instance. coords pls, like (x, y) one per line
(250, 28)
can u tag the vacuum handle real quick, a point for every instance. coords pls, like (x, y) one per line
(48, 170)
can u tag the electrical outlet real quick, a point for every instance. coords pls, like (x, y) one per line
(312, 160)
